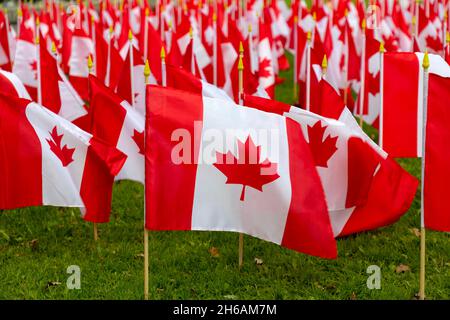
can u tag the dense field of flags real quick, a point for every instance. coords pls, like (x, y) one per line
(92, 93)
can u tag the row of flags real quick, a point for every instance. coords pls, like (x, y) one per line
(90, 95)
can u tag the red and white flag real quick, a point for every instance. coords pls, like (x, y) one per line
(50, 161)
(82, 48)
(58, 94)
(364, 188)
(436, 214)
(25, 61)
(260, 181)
(10, 84)
(402, 105)
(119, 124)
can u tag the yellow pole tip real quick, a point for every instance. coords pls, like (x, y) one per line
(53, 47)
(315, 16)
(19, 12)
(147, 12)
(111, 30)
(38, 22)
(147, 69)
(363, 24)
(295, 19)
(413, 20)
(324, 62)
(382, 46)
(191, 32)
(447, 37)
(426, 61)
(130, 35)
(308, 36)
(163, 53)
(90, 63)
(241, 47)
(346, 12)
(250, 28)
(240, 64)
(214, 17)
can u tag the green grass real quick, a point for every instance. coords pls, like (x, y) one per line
(181, 266)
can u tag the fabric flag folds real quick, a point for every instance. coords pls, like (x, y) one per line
(50, 161)
(268, 188)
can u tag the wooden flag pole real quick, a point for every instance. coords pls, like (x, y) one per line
(380, 135)
(241, 102)
(191, 36)
(346, 57)
(94, 41)
(130, 39)
(308, 71)
(90, 65)
(363, 73)
(146, 272)
(38, 58)
(295, 80)
(147, 14)
(215, 44)
(425, 65)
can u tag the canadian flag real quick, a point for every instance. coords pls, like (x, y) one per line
(10, 84)
(179, 78)
(266, 65)
(402, 105)
(131, 86)
(58, 94)
(82, 48)
(5, 54)
(50, 161)
(364, 188)
(263, 186)
(120, 125)
(436, 215)
(25, 61)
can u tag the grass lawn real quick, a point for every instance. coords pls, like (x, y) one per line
(38, 244)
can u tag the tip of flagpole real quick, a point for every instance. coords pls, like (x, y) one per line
(413, 20)
(53, 47)
(214, 17)
(295, 19)
(447, 37)
(191, 32)
(163, 53)
(240, 64)
(111, 30)
(130, 35)
(308, 36)
(382, 47)
(90, 63)
(147, 71)
(19, 12)
(363, 24)
(200, 4)
(241, 47)
(346, 12)
(324, 62)
(250, 28)
(314, 16)
(37, 21)
(147, 12)
(426, 61)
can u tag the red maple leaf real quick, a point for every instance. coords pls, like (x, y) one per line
(33, 66)
(373, 83)
(64, 153)
(322, 149)
(138, 138)
(265, 70)
(247, 168)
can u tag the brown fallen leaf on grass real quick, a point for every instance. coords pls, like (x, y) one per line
(402, 268)
(415, 231)
(214, 252)
(353, 296)
(34, 244)
(259, 261)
